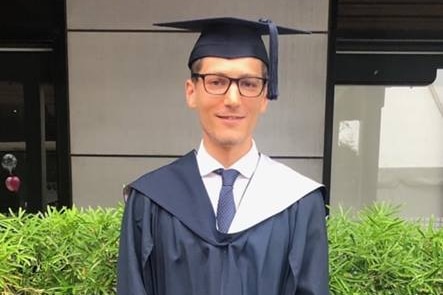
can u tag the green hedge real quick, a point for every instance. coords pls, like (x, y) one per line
(74, 252)
(380, 253)
(59, 252)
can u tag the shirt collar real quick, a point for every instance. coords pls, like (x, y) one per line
(245, 165)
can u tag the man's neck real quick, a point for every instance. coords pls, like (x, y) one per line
(227, 155)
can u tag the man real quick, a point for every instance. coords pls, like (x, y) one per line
(225, 219)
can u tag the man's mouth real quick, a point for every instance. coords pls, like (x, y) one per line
(230, 117)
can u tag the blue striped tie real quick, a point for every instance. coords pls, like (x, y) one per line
(226, 204)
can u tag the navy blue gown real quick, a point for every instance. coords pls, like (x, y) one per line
(170, 245)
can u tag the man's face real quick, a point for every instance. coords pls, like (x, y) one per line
(227, 120)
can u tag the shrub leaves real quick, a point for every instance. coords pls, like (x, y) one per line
(74, 251)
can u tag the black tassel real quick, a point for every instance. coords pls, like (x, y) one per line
(273, 60)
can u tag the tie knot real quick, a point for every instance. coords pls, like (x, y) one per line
(228, 176)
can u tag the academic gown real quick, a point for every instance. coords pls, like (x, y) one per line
(170, 244)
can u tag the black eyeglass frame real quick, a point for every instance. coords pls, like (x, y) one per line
(236, 80)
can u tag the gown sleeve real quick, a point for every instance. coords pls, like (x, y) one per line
(308, 257)
(133, 271)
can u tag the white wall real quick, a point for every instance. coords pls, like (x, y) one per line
(411, 132)
(396, 155)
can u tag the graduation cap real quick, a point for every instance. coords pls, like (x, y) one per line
(228, 37)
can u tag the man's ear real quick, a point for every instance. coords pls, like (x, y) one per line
(264, 105)
(190, 93)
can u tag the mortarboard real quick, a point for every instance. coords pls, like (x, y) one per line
(234, 38)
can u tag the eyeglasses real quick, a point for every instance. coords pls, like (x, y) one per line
(219, 85)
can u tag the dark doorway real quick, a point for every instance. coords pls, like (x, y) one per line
(34, 105)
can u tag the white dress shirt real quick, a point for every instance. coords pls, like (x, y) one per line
(263, 188)
(213, 181)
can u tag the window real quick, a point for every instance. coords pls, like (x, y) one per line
(388, 146)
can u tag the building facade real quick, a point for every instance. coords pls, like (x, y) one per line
(104, 101)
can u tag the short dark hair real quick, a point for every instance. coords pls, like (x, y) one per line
(196, 66)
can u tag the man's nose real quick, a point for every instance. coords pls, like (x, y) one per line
(232, 96)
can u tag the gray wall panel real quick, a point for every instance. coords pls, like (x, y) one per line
(294, 124)
(127, 95)
(125, 99)
(126, 89)
(140, 14)
(311, 168)
(98, 181)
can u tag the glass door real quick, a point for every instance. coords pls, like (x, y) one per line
(28, 174)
